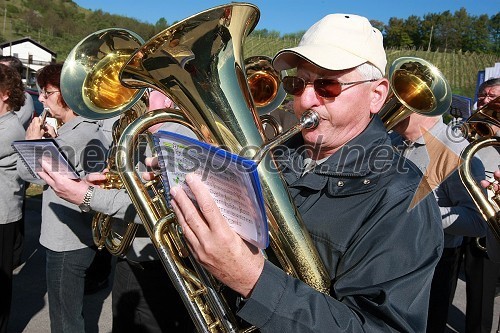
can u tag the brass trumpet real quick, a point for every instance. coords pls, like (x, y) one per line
(91, 86)
(489, 114)
(416, 86)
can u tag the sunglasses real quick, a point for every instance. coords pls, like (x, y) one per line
(326, 88)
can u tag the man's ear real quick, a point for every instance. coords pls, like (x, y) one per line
(380, 90)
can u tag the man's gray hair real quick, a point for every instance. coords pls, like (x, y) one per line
(369, 71)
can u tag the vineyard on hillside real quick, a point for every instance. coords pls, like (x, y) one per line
(459, 68)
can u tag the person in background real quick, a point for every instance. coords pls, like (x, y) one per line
(354, 205)
(426, 141)
(143, 299)
(96, 277)
(492, 243)
(481, 273)
(65, 229)
(25, 113)
(27, 110)
(11, 185)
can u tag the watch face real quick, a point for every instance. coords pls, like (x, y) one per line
(84, 208)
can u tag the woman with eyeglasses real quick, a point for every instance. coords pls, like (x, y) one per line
(66, 227)
(354, 194)
(11, 185)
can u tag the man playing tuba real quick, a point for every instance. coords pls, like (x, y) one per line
(354, 199)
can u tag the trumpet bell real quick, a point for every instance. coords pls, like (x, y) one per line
(489, 114)
(264, 83)
(90, 82)
(102, 89)
(416, 86)
(482, 122)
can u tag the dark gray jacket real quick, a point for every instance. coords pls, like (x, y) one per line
(380, 255)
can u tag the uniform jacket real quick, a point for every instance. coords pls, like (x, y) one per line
(380, 254)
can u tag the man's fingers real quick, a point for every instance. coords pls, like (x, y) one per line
(205, 201)
(186, 229)
(152, 162)
(187, 215)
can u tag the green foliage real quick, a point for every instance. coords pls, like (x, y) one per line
(12, 10)
(445, 31)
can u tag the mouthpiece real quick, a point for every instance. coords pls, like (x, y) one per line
(309, 119)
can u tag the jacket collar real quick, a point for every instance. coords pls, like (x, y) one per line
(350, 170)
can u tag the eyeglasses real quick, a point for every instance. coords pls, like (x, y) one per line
(46, 94)
(486, 96)
(326, 88)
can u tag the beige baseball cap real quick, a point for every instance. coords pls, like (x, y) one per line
(337, 42)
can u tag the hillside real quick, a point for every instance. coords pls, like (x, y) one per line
(61, 24)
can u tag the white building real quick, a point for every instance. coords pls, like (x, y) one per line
(32, 54)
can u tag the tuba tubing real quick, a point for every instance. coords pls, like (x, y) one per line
(489, 212)
(158, 221)
(484, 118)
(209, 85)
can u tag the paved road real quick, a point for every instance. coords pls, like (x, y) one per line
(29, 304)
(30, 310)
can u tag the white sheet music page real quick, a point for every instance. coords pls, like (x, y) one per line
(32, 151)
(232, 181)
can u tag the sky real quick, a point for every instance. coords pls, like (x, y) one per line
(290, 16)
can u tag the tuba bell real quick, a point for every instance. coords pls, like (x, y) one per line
(199, 64)
(488, 115)
(90, 85)
(416, 86)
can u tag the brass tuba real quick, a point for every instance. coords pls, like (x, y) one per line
(90, 85)
(489, 114)
(199, 64)
(416, 86)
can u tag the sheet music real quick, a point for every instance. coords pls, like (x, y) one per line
(230, 179)
(32, 151)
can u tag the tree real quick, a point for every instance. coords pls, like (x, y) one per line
(477, 37)
(494, 32)
(412, 30)
(397, 34)
(161, 24)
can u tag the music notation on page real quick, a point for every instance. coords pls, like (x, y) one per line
(232, 181)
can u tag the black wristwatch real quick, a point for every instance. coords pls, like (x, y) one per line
(85, 205)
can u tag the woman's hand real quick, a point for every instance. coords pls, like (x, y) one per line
(35, 130)
(50, 131)
(71, 190)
